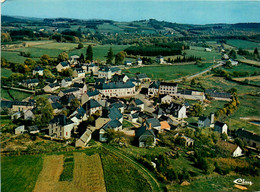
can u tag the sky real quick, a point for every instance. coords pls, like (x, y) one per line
(185, 11)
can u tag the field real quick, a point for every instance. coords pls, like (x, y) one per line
(5, 72)
(17, 95)
(14, 56)
(169, 72)
(215, 183)
(199, 52)
(38, 52)
(19, 173)
(213, 107)
(243, 68)
(61, 46)
(250, 62)
(243, 44)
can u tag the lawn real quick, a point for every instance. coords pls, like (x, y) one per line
(216, 183)
(243, 44)
(169, 72)
(5, 72)
(99, 51)
(14, 56)
(208, 56)
(213, 107)
(120, 175)
(19, 173)
(17, 95)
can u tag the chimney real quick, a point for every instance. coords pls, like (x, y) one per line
(150, 126)
(212, 118)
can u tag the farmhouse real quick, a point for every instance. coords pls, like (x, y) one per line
(175, 109)
(153, 123)
(92, 106)
(160, 59)
(15, 106)
(38, 70)
(57, 107)
(229, 148)
(62, 66)
(139, 61)
(218, 95)
(138, 103)
(191, 95)
(19, 130)
(146, 138)
(78, 72)
(116, 89)
(74, 90)
(142, 77)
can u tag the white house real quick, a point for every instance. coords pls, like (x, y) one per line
(166, 99)
(92, 106)
(160, 59)
(78, 72)
(74, 59)
(50, 88)
(128, 63)
(107, 73)
(168, 88)
(208, 49)
(113, 124)
(139, 61)
(221, 127)
(153, 89)
(66, 82)
(19, 130)
(62, 66)
(38, 70)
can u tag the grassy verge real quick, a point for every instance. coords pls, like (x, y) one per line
(19, 173)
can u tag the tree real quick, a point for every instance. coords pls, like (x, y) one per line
(232, 54)
(240, 143)
(29, 62)
(110, 56)
(48, 74)
(120, 58)
(197, 109)
(66, 72)
(81, 58)
(74, 104)
(149, 141)
(45, 59)
(256, 51)
(63, 56)
(89, 53)
(224, 136)
(44, 112)
(80, 45)
(4, 63)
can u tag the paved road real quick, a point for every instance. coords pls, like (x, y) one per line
(147, 103)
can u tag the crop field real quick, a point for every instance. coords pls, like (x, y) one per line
(14, 57)
(106, 27)
(19, 173)
(17, 95)
(206, 56)
(215, 183)
(5, 72)
(243, 44)
(61, 46)
(169, 72)
(250, 62)
(243, 68)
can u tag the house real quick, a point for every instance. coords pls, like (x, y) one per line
(146, 137)
(15, 106)
(57, 107)
(153, 123)
(160, 59)
(207, 49)
(190, 95)
(91, 94)
(229, 148)
(33, 129)
(28, 115)
(188, 141)
(204, 122)
(92, 106)
(128, 63)
(82, 87)
(115, 114)
(53, 98)
(50, 88)
(107, 73)
(138, 103)
(78, 116)
(50, 80)
(142, 77)
(133, 117)
(119, 105)
(62, 66)
(166, 99)
(139, 61)
(165, 126)
(135, 81)
(220, 127)
(250, 138)
(38, 70)
(78, 72)
(30, 83)
(16, 115)
(233, 63)
(225, 57)
(116, 89)
(19, 130)
(66, 99)
(143, 116)
(153, 89)
(118, 78)
(168, 88)
(92, 68)
(60, 127)
(66, 82)
(175, 109)
(74, 59)
(113, 124)
(218, 95)
(158, 113)
(84, 139)
(74, 90)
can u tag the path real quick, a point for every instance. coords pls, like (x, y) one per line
(147, 175)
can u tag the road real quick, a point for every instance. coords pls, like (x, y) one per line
(148, 176)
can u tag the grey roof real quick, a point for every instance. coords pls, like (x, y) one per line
(54, 98)
(141, 76)
(68, 79)
(247, 134)
(56, 106)
(79, 85)
(114, 85)
(29, 81)
(203, 118)
(117, 105)
(71, 90)
(38, 68)
(92, 103)
(140, 131)
(155, 84)
(114, 113)
(6, 104)
(33, 128)
(64, 63)
(59, 119)
(138, 102)
(9, 104)
(80, 70)
(100, 80)
(52, 85)
(135, 115)
(158, 111)
(147, 133)
(92, 93)
(185, 92)
(219, 124)
(84, 137)
(112, 124)
(49, 80)
(66, 99)
(154, 122)
(107, 69)
(168, 84)
(215, 93)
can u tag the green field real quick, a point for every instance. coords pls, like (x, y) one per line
(169, 72)
(18, 95)
(215, 183)
(199, 52)
(100, 51)
(5, 72)
(38, 52)
(19, 173)
(243, 68)
(14, 57)
(243, 44)
(213, 107)
(61, 46)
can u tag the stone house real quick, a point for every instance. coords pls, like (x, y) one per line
(38, 70)
(62, 66)
(50, 88)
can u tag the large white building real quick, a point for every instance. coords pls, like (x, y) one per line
(106, 72)
(168, 88)
(116, 89)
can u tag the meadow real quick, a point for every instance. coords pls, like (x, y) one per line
(19, 173)
(5, 72)
(17, 95)
(243, 44)
(14, 56)
(243, 68)
(169, 72)
(205, 56)
(38, 52)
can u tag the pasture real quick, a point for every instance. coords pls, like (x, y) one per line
(38, 52)
(5, 72)
(17, 95)
(19, 173)
(243, 44)
(169, 72)
(14, 56)
(243, 68)
(205, 56)
(59, 46)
